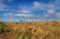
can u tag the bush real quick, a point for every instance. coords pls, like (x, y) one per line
(3, 28)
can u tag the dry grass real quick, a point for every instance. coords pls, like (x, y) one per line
(31, 30)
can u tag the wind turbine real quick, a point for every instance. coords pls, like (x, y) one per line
(11, 16)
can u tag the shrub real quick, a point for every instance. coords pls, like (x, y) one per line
(3, 28)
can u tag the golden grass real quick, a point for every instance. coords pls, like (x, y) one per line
(32, 30)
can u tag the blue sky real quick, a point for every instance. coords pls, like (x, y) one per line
(16, 10)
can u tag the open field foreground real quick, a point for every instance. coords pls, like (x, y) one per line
(30, 30)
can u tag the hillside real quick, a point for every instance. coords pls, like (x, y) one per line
(30, 30)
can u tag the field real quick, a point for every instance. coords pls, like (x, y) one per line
(30, 30)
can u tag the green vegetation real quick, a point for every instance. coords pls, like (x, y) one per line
(26, 35)
(2, 27)
(17, 35)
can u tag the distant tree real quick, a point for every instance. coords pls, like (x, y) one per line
(21, 20)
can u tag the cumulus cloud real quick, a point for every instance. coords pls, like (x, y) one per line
(51, 11)
(37, 4)
(24, 9)
(51, 6)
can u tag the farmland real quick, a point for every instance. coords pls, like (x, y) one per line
(30, 30)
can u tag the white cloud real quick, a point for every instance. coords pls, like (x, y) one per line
(25, 11)
(37, 4)
(2, 6)
(58, 14)
(51, 11)
(51, 6)
(23, 15)
(47, 15)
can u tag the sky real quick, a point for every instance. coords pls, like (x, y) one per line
(27, 10)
